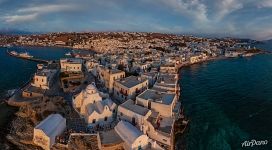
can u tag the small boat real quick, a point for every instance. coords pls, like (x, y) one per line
(247, 54)
(68, 54)
(25, 55)
(8, 45)
(14, 53)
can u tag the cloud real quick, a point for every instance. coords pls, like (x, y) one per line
(194, 9)
(33, 12)
(264, 3)
(225, 7)
(48, 8)
(263, 34)
(20, 18)
(239, 18)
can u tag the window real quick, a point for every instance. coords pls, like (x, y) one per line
(94, 120)
(121, 113)
(106, 118)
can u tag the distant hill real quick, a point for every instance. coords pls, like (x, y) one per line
(268, 41)
(13, 32)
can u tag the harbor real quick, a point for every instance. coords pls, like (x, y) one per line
(158, 96)
(26, 56)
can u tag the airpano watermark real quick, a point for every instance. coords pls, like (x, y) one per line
(254, 143)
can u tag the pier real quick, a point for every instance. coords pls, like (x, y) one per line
(28, 58)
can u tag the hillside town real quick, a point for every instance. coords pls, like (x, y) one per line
(125, 95)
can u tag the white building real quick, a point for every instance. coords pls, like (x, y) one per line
(151, 76)
(168, 82)
(43, 78)
(141, 67)
(108, 76)
(198, 57)
(168, 68)
(90, 105)
(47, 130)
(157, 101)
(133, 113)
(129, 88)
(160, 129)
(91, 66)
(71, 64)
(133, 138)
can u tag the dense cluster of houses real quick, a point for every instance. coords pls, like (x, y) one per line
(142, 102)
(134, 97)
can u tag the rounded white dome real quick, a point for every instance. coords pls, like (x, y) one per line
(90, 89)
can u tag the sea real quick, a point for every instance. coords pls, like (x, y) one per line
(16, 72)
(226, 101)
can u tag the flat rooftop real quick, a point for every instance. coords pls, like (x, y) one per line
(160, 89)
(71, 60)
(114, 71)
(130, 105)
(166, 123)
(34, 89)
(130, 81)
(110, 137)
(167, 78)
(153, 73)
(45, 72)
(158, 97)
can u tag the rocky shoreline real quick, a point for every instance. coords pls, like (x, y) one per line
(5, 124)
(18, 131)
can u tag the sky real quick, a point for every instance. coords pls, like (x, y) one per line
(222, 18)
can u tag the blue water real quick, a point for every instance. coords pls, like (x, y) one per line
(15, 72)
(228, 101)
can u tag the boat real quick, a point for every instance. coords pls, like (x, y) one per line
(14, 53)
(25, 55)
(247, 54)
(7, 46)
(68, 54)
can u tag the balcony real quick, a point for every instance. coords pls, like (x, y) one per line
(124, 93)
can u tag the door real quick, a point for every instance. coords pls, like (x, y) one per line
(149, 104)
(133, 121)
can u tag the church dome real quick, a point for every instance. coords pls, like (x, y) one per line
(91, 89)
